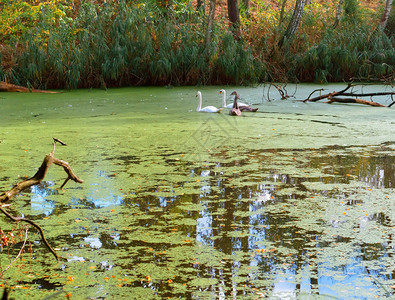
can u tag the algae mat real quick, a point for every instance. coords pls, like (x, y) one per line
(294, 201)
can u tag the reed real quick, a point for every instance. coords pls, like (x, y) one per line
(236, 64)
(354, 52)
(128, 44)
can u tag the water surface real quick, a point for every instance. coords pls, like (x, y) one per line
(294, 201)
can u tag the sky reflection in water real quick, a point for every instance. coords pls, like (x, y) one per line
(295, 200)
(301, 268)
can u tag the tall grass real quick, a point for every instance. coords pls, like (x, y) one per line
(127, 43)
(355, 52)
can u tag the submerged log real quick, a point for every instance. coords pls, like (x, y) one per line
(9, 87)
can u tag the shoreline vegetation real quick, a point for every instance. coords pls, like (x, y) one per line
(89, 44)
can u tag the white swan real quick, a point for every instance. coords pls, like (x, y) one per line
(223, 92)
(209, 109)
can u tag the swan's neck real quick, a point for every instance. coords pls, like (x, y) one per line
(200, 102)
(235, 104)
(224, 99)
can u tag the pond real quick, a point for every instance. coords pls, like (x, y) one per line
(293, 201)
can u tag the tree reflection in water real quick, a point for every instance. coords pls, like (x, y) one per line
(280, 223)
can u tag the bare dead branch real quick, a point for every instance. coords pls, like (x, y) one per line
(49, 159)
(59, 141)
(39, 176)
(336, 97)
(283, 92)
(311, 94)
(368, 94)
(328, 95)
(354, 100)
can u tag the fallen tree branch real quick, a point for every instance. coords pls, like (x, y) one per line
(336, 97)
(368, 94)
(311, 94)
(326, 95)
(9, 87)
(354, 100)
(49, 159)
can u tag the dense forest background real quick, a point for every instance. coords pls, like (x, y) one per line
(78, 44)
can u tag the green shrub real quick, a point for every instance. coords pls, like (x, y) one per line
(353, 52)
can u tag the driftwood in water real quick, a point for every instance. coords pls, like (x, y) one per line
(9, 87)
(336, 97)
(354, 100)
(49, 159)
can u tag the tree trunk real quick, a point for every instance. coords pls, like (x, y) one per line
(294, 23)
(210, 23)
(9, 87)
(234, 17)
(282, 12)
(338, 13)
(386, 13)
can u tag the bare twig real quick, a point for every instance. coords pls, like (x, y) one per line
(311, 94)
(19, 254)
(59, 141)
(16, 219)
(283, 92)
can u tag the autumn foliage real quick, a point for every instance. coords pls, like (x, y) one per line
(72, 44)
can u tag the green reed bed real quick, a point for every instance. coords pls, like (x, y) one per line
(123, 44)
(352, 53)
